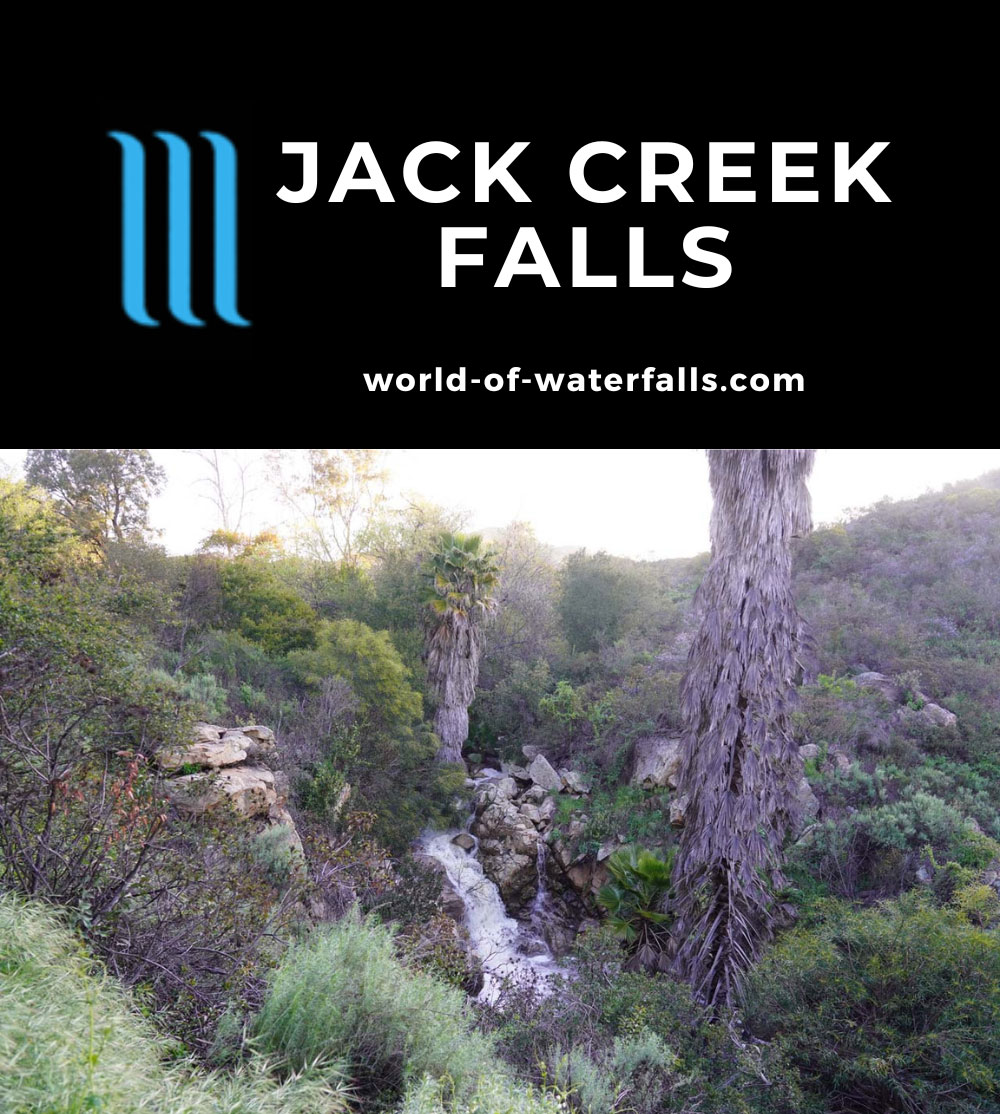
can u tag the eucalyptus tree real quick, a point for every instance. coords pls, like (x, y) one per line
(462, 579)
(740, 762)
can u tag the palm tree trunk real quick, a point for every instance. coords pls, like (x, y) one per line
(451, 725)
(453, 667)
(740, 760)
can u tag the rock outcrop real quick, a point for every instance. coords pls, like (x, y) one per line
(514, 816)
(229, 768)
(656, 762)
(922, 708)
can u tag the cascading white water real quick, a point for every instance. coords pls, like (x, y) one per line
(509, 951)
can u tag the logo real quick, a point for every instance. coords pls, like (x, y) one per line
(178, 228)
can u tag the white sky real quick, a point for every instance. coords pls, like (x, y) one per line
(644, 503)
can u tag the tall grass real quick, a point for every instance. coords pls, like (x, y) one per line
(71, 1041)
(343, 995)
(495, 1093)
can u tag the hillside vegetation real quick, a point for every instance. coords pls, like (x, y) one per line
(151, 960)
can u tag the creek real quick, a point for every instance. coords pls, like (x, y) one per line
(512, 952)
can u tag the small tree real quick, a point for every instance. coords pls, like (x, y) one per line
(462, 577)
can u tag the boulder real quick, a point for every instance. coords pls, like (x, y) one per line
(534, 795)
(258, 742)
(281, 817)
(530, 812)
(499, 789)
(587, 876)
(465, 841)
(574, 781)
(841, 760)
(508, 851)
(450, 900)
(879, 682)
(207, 732)
(523, 839)
(258, 732)
(208, 755)
(494, 816)
(809, 750)
(657, 761)
(937, 716)
(561, 852)
(515, 875)
(530, 752)
(281, 786)
(808, 806)
(543, 774)
(248, 789)
(547, 809)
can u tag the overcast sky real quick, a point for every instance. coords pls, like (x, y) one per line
(644, 503)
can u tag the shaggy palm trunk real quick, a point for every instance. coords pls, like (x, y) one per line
(453, 669)
(740, 762)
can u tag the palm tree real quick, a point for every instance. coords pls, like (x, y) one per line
(639, 886)
(462, 577)
(740, 760)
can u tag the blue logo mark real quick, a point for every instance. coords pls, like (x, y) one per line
(179, 228)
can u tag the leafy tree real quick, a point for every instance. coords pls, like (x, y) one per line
(332, 493)
(261, 608)
(103, 493)
(634, 899)
(526, 624)
(462, 577)
(368, 661)
(598, 599)
(73, 716)
(740, 755)
(379, 744)
(397, 542)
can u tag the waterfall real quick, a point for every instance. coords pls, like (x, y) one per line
(509, 951)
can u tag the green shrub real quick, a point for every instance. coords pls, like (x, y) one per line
(72, 1041)
(207, 696)
(639, 1069)
(878, 848)
(494, 1094)
(978, 903)
(343, 995)
(278, 853)
(591, 1088)
(892, 1009)
(974, 849)
(647, 1038)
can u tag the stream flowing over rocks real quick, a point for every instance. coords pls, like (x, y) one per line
(516, 902)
